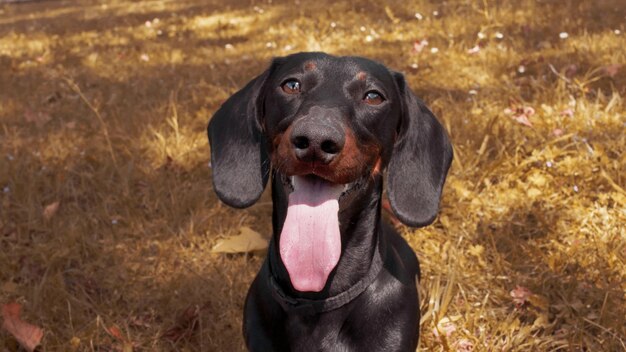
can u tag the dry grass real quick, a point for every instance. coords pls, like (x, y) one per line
(106, 113)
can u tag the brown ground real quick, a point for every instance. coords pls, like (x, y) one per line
(103, 108)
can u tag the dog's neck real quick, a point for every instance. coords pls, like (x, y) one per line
(359, 222)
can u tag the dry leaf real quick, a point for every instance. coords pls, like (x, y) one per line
(115, 332)
(520, 295)
(474, 50)
(248, 240)
(27, 335)
(419, 45)
(50, 210)
(521, 114)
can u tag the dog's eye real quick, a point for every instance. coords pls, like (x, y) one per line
(291, 87)
(373, 98)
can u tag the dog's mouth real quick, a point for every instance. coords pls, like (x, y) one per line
(310, 241)
(346, 190)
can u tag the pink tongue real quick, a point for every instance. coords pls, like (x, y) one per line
(310, 243)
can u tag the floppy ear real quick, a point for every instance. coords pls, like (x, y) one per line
(419, 162)
(239, 157)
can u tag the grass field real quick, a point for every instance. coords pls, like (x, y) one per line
(107, 217)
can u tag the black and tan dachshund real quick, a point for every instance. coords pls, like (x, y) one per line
(325, 129)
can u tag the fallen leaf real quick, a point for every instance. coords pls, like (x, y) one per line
(521, 114)
(523, 119)
(474, 50)
(27, 335)
(520, 295)
(419, 45)
(50, 210)
(248, 240)
(115, 332)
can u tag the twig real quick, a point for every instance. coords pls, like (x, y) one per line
(558, 74)
(77, 90)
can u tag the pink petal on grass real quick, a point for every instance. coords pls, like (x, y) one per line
(557, 132)
(520, 295)
(446, 327)
(528, 111)
(419, 45)
(27, 335)
(50, 210)
(523, 119)
(474, 50)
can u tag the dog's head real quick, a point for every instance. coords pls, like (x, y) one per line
(325, 125)
(339, 118)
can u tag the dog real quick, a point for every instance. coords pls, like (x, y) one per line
(325, 129)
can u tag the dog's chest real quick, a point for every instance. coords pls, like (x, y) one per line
(316, 333)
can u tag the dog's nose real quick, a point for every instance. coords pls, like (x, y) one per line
(317, 140)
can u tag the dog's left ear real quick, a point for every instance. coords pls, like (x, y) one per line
(239, 154)
(419, 163)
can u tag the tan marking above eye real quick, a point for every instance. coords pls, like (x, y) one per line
(310, 65)
(361, 76)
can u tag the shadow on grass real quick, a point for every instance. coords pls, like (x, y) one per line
(131, 242)
(517, 242)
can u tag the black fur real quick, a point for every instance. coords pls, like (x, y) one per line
(412, 146)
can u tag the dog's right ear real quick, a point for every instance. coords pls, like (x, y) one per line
(239, 155)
